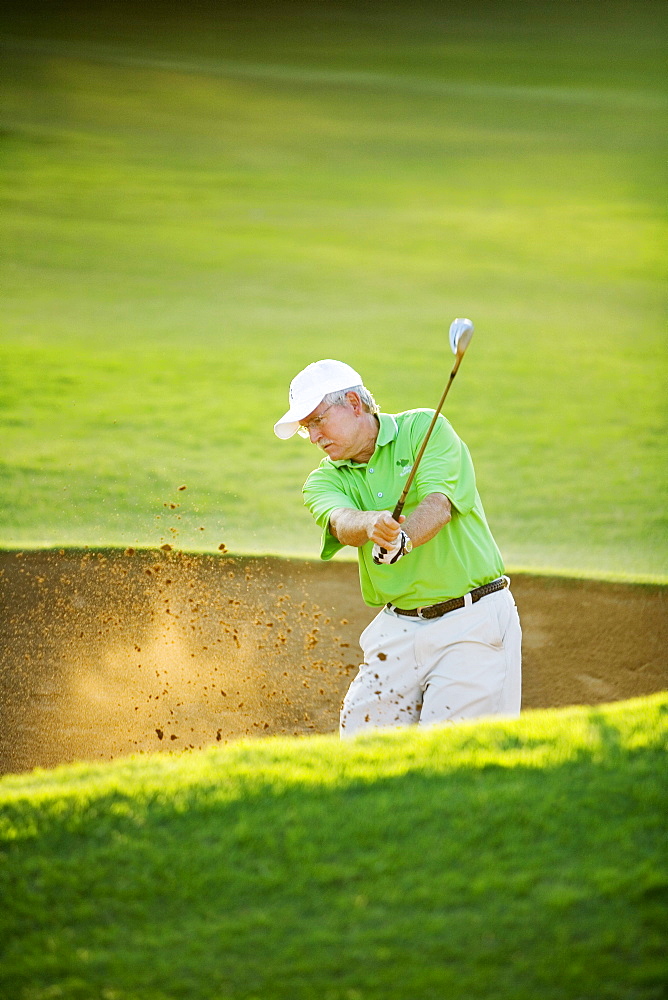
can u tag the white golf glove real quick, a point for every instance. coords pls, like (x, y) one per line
(388, 556)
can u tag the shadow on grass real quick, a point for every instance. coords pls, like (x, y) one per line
(491, 882)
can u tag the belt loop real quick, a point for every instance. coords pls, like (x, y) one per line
(468, 600)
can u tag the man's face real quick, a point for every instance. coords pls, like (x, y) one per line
(340, 429)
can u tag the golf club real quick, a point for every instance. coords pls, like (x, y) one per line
(461, 331)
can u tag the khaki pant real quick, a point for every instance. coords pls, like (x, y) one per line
(460, 666)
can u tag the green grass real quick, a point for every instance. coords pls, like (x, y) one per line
(194, 206)
(496, 861)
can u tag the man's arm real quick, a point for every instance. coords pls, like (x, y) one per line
(428, 518)
(357, 527)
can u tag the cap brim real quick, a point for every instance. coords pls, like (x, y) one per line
(285, 427)
(288, 425)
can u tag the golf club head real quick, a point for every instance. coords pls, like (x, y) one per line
(461, 331)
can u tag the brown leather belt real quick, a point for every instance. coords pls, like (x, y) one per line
(438, 610)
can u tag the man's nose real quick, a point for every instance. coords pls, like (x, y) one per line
(314, 433)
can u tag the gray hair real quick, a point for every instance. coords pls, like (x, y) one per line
(339, 398)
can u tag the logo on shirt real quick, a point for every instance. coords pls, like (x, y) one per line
(406, 466)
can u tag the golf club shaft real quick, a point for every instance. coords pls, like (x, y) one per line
(402, 499)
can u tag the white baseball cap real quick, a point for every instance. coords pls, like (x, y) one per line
(308, 389)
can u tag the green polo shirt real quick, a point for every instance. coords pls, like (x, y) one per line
(463, 554)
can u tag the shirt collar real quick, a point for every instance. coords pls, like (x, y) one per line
(387, 432)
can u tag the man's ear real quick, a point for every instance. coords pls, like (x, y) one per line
(355, 402)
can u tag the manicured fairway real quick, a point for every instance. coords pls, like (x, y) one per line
(195, 205)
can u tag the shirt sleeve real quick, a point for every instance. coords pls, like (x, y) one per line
(322, 495)
(446, 465)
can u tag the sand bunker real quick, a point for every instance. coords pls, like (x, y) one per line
(106, 654)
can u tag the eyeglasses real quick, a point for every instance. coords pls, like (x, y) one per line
(305, 429)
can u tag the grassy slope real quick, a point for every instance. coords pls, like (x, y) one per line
(501, 860)
(194, 207)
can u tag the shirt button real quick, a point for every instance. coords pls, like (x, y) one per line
(370, 470)
(380, 494)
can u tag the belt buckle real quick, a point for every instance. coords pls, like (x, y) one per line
(420, 615)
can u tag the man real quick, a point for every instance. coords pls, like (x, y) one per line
(447, 643)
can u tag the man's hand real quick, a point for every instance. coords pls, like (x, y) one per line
(383, 529)
(387, 537)
(383, 554)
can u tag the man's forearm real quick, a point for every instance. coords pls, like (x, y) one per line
(428, 518)
(357, 527)
(352, 527)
